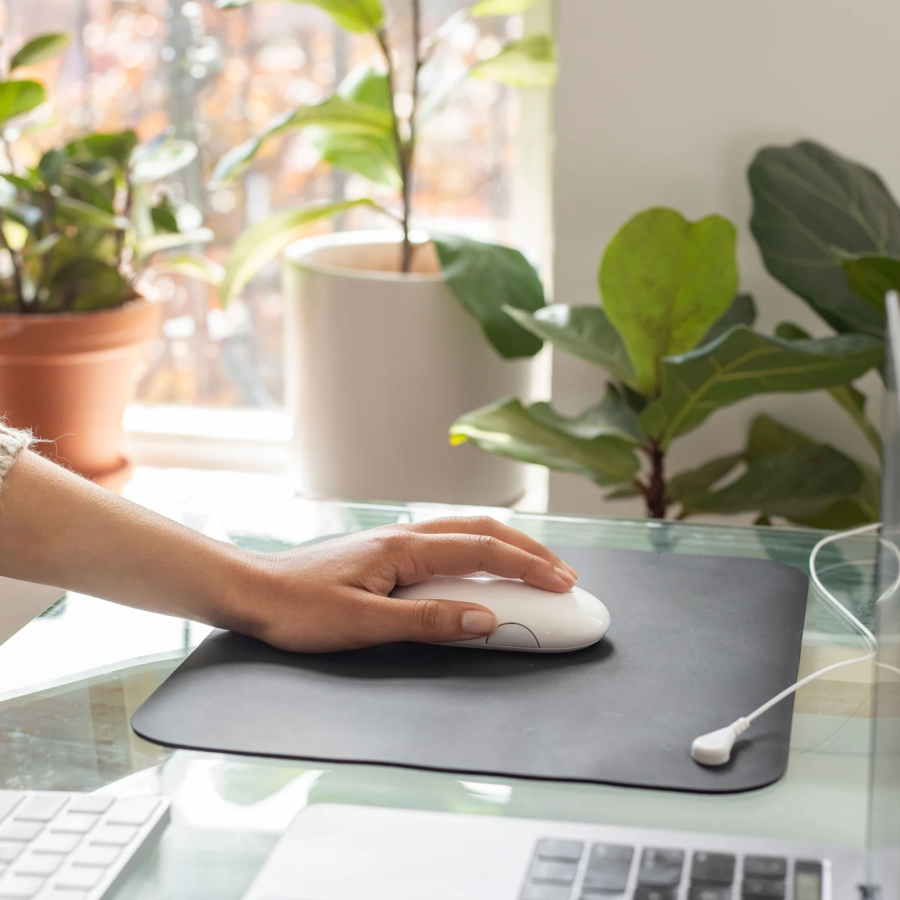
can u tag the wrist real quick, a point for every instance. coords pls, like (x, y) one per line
(237, 602)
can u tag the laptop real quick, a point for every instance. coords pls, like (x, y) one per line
(334, 852)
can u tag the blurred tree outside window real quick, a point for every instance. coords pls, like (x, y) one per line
(217, 77)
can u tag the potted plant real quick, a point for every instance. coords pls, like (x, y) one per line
(676, 343)
(82, 227)
(382, 327)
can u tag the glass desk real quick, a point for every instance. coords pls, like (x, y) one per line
(73, 678)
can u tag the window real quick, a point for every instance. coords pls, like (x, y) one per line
(217, 77)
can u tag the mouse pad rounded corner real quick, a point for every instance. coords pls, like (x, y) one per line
(694, 643)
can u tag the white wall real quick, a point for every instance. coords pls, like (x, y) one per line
(665, 102)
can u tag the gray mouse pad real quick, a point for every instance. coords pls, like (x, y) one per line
(695, 642)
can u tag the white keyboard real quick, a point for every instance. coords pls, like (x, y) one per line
(66, 846)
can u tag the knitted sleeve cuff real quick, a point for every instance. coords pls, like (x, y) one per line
(11, 442)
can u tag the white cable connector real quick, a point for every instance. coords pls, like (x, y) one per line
(714, 749)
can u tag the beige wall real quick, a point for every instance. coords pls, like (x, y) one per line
(664, 102)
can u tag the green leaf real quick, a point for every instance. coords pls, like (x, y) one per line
(16, 235)
(86, 284)
(160, 158)
(43, 246)
(526, 63)
(193, 266)
(116, 146)
(664, 282)
(39, 49)
(583, 331)
(81, 213)
(810, 206)
(358, 16)
(744, 363)
(50, 166)
(18, 97)
(158, 243)
(741, 312)
(790, 475)
(372, 156)
(686, 485)
(261, 243)
(845, 395)
(78, 182)
(871, 277)
(337, 114)
(163, 219)
(30, 183)
(501, 7)
(611, 418)
(486, 278)
(528, 434)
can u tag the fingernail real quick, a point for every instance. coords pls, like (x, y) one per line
(566, 577)
(572, 571)
(476, 622)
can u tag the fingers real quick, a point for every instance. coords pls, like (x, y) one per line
(490, 526)
(385, 619)
(463, 554)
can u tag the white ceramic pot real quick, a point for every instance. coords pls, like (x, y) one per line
(380, 364)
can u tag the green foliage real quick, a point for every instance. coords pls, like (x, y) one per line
(360, 130)
(810, 208)
(526, 63)
(871, 277)
(79, 231)
(357, 16)
(678, 344)
(490, 281)
(19, 97)
(536, 434)
(40, 49)
(262, 242)
(664, 282)
(744, 363)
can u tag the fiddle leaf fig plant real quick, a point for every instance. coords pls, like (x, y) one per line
(360, 129)
(82, 226)
(676, 343)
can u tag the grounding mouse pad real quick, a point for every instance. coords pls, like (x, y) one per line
(695, 642)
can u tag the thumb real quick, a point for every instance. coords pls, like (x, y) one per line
(432, 621)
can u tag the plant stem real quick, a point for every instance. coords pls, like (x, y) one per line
(405, 147)
(656, 487)
(17, 270)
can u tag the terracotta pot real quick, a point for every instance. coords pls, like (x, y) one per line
(68, 377)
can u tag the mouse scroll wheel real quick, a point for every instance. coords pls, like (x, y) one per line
(511, 634)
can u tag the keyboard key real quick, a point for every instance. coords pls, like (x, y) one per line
(20, 887)
(765, 867)
(133, 811)
(38, 863)
(91, 803)
(652, 893)
(712, 868)
(59, 893)
(546, 892)
(660, 868)
(40, 807)
(608, 867)
(709, 892)
(116, 835)
(9, 850)
(557, 872)
(11, 830)
(9, 800)
(83, 877)
(762, 889)
(564, 851)
(96, 855)
(74, 823)
(56, 843)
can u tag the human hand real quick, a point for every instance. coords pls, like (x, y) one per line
(335, 595)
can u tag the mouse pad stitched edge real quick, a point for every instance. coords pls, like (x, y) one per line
(695, 642)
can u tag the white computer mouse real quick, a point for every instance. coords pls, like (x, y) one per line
(531, 620)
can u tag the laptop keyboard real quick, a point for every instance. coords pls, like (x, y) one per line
(69, 846)
(574, 870)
